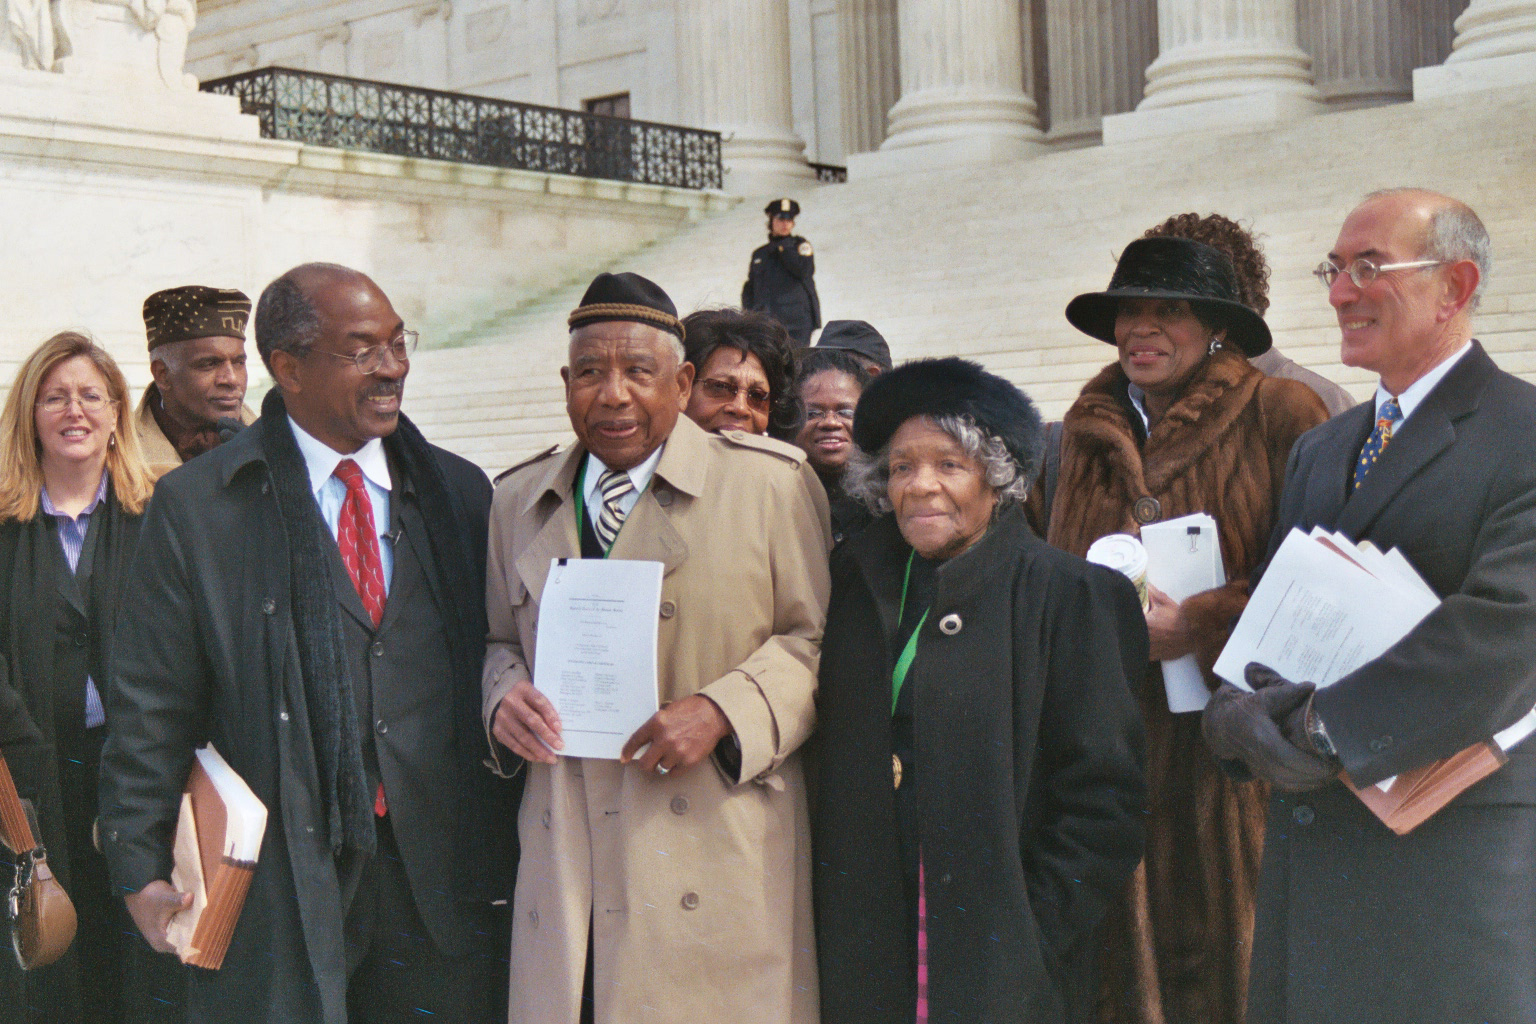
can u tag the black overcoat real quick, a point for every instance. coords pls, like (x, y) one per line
(206, 650)
(1356, 924)
(781, 280)
(33, 584)
(1031, 791)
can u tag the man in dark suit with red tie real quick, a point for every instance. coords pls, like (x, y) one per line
(1356, 923)
(309, 597)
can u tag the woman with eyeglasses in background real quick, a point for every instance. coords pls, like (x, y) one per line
(73, 486)
(828, 384)
(743, 362)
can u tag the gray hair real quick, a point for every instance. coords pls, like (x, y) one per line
(1455, 233)
(286, 320)
(868, 476)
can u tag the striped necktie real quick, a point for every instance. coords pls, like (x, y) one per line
(1390, 414)
(612, 487)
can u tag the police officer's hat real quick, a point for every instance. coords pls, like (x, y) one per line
(783, 208)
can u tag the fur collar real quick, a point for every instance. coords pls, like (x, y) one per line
(1098, 424)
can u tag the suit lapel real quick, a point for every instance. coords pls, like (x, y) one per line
(556, 539)
(648, 535)
(1426, 434)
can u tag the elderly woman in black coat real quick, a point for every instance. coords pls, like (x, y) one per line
(979, 754)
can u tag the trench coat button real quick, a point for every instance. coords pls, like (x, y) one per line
(378, 649)
(950, 624)
(1303, 815)
(663, 497)
(1147, 510)
(268, 606)
(690, 901)
(546, 817)
(668, 609)
(381, 726)
(679, 805)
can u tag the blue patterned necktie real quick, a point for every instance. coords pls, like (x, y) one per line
(1389, 415)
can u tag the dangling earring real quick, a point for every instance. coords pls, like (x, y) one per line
(1215, 344)
(112, 439)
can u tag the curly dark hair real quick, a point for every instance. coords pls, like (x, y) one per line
(1236, 241)
(751, 333)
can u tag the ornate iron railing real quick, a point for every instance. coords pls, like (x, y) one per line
(830, 174)
(403, 120)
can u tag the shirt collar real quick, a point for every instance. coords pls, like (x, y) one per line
(1419, 390)
(1139, 402)
(639, 476)
(49, 508)
(321, 460)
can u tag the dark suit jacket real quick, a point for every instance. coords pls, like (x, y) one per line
(1354, 922)
(206, 650)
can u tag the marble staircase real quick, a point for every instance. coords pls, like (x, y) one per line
(981, 261)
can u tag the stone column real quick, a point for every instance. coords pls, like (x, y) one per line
(431, 39)
(733, 77)
(1495, 46)
(331, 49)
(868, 58)
(962, 79)
(1221, 63)
(1364, 51)
(1099, 52)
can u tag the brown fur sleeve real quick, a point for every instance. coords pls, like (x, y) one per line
(1287, 409)
(1210, 617)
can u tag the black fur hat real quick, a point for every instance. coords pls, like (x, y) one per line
(1174, 268)
(950, 387)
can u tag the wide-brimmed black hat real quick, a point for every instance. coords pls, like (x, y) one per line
(1174, 268)
(858, 337)
(950, 387)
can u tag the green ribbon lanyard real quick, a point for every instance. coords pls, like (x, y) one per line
(904, 663)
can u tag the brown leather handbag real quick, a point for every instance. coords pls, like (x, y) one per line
(41, 916)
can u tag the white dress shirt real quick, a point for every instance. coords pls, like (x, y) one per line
(321, 460)
(639, 475)
(1419, 390)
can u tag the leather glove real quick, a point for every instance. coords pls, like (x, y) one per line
(1252, 728)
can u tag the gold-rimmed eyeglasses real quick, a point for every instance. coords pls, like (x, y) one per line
(368, 360)
(1362, 271)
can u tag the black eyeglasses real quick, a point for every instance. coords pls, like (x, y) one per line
(368, 360)
(727, 390)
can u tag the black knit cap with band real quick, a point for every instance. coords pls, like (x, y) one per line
(626, 297)
(1174, 268)
(195, 311)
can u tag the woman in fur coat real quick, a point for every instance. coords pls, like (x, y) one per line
(1180, 423)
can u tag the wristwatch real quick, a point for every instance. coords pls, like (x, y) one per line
(1318, 734)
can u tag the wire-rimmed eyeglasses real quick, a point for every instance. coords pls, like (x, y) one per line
(1362, 271)
(368, 360)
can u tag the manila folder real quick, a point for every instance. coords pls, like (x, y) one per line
(218, 838)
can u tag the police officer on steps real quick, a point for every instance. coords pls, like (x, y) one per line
(781, 279)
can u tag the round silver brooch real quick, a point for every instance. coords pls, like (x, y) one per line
(950, 624)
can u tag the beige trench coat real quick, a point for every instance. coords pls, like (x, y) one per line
(158, 450)
(697, 886)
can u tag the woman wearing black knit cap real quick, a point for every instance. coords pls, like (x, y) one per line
(979, 750)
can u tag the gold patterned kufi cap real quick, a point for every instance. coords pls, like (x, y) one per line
(195, 311)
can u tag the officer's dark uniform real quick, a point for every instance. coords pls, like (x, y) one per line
(781, 279)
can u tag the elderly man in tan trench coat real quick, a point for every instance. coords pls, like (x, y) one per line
(686, 865)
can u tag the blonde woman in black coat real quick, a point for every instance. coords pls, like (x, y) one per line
(979, 751)
(73, 487)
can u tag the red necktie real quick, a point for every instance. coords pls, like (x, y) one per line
(359, 543)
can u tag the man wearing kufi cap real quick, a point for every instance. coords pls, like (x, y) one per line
(197, 356)
(781, 279)
(672, 884)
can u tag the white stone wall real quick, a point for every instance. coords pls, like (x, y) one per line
(550, 52)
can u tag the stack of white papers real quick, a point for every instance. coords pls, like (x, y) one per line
(1326, 606)
(1184, 559)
